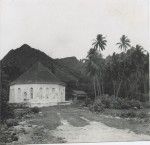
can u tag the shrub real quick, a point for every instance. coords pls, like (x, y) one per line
(19, 113)
(135, 104)
(106, 101)
(35, 110)
(7, 111)
(88, 102)
(97, 106)
(143, 115)
(120, 103)
(7, 136)
(128, 114)
(134, 114)
(11, 122)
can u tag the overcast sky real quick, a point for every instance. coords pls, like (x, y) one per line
(63, 28)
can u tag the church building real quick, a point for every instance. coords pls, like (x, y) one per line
(38, 86)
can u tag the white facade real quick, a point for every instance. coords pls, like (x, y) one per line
(37, 94)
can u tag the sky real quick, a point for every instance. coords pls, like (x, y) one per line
(64, 28)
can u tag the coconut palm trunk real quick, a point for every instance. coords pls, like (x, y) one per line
(118, 90)
(99, 87)
(94, 86)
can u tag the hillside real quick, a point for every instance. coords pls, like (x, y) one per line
(73, 64)
(19, 60)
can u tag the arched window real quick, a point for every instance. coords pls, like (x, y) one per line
(13, 93)
(31, 93)
(47, 92)
(19, 92)
(41, 93)
(53, 90)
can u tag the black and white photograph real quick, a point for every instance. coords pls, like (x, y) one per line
(74, 71)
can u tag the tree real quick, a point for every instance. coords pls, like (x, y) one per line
(94, 65)
(124, 43)
(91, 67)
(100, 42)
(114, 68)
(139, 67)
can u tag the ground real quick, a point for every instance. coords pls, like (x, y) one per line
(73, 124)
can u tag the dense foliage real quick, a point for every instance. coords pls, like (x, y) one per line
(124, 75)
(128, 74)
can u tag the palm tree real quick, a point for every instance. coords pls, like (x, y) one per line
(91, 67)
(124, 43)
(100, 42)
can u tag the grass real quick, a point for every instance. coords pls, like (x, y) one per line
(137, 125)
(51, 118)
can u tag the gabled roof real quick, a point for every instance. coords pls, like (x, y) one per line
(37, 74)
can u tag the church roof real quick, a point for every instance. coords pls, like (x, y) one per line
(37, 74)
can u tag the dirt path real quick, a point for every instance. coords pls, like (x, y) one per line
(95, 132)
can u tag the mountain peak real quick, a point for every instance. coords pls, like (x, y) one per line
(25, 46)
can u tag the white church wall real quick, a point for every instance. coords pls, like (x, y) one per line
(42, 93)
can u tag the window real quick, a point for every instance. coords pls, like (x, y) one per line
(13, 93)
(53, 90)
(41, 93)
(47, 92)
(19, 92)
(31, 93)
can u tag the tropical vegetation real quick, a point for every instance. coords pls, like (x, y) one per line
(123, 75)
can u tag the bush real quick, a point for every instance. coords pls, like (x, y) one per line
(7, 136)
(35, 110)
(7, 111)
(134, 114)
(11, 122)
(120, 103)
(111, 102)
(135, 104)
(128, 114)
(143, 115)
(19, 113)
(97, 106)
(88, 102)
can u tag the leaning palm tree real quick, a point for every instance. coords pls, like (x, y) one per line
(124, 43)
(100, 42)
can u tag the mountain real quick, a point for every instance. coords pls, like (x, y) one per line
(21, 59)
(73, 64)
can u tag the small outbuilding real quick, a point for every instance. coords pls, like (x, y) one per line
(79, 95)
(38, 86)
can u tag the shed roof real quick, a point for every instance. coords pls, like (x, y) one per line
(37, 74)
(79, 92)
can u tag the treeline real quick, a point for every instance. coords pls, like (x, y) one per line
(123, 75)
